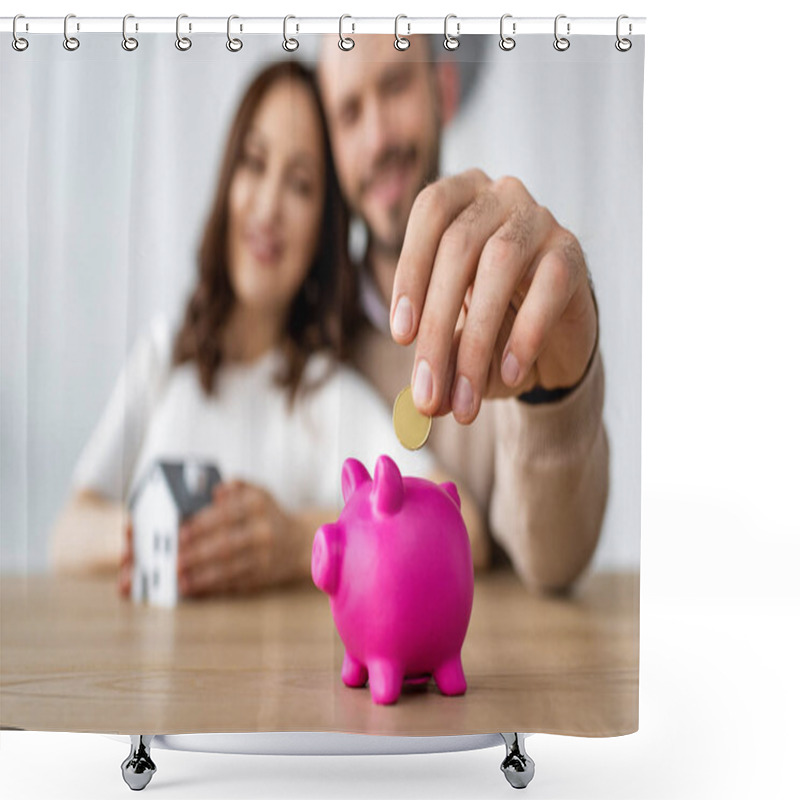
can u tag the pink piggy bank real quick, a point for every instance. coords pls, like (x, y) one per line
(398, 568)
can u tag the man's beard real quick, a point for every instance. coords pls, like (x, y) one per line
(391, 243)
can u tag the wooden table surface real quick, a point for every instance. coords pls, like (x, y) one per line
(76, 657)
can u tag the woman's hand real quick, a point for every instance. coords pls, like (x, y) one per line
(126, 561)
(242, 542)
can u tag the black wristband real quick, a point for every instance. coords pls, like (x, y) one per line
(539, 395)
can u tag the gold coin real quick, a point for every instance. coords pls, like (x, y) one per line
(411, 427)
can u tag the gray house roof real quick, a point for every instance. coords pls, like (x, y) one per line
(189, 482)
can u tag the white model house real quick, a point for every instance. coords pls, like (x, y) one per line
(167, 494)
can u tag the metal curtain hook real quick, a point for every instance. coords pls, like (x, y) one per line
(289, 44)
(507, 42)
(18, 43)
(400, 42)
(451, 42)
(345, 42)
(182, 42)
(128, 42)
(70, 42)
(561, 43)
(623, 45)
(234, 45)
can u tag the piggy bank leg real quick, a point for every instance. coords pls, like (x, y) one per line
(385, 681)
(450, 678)
(354, 673)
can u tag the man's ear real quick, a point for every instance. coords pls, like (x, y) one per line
(448, 82)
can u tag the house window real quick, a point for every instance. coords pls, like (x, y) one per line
(166, 544)
(156, 541)
(155, 579)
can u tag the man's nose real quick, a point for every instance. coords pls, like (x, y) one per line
(377, 128)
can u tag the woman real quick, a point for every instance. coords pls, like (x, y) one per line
(253, 380)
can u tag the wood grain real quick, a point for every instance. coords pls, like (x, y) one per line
(76, 657)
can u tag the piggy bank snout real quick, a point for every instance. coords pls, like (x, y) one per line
(326, 558)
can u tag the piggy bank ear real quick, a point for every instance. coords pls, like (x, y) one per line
(452, 491)
(354, 473)
(387, 489)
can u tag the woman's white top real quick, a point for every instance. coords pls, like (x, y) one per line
(159, 411)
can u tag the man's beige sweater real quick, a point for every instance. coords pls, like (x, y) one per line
(539, 473)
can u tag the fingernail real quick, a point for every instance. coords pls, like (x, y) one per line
(463, 397)
(510, 369)
(423, 385)
(401, 323)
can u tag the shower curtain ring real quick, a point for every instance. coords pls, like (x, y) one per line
(345, 42)
(507, 42)
(451, 42)
(234, 45)
(70, 42)
(182, 42)
(561, 43)
(400, 42)
(623, 45)
(289, 44)
(18, 43)
(128, 42)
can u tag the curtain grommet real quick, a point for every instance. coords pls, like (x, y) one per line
(346, 43)
(183, 43)
(71, 43)
(561, 43)
(401, 42)
(507, 43)
(289, 44)
(234, 45)
(19, 43)
(623, 44)
(129, 43)
(451, 42)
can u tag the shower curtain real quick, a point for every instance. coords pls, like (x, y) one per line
(222, 263)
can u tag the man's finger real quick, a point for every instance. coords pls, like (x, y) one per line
(504, 261)
(548, 296)
(455, 265)
(435, 207)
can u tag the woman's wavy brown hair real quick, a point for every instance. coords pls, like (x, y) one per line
(324, 312)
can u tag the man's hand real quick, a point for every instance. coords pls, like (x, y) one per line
(242, 542)
(496, 293)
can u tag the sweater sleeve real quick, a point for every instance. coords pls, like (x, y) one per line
(106, 462)
(551, 482)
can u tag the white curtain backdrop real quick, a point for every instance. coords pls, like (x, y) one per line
(108, 161)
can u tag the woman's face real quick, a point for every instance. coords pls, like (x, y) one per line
(276, 199)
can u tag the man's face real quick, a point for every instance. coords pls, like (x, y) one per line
(383, 113)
